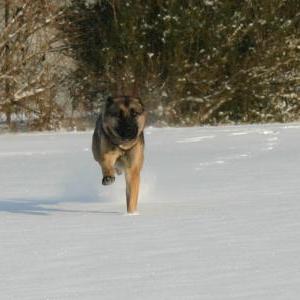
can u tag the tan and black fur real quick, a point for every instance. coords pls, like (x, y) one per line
(118, 143)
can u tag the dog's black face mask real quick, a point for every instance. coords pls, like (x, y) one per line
(127, 128)
(123, 119)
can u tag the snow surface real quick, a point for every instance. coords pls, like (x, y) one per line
(219, 217)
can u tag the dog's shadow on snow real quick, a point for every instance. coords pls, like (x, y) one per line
(75, 189)
(44, 207)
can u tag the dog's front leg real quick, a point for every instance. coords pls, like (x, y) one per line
(107, 163)
(133, 167)
(132, 176)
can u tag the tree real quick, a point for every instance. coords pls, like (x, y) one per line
(193, 62)
(29, 72)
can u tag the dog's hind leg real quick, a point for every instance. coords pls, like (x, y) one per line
(119, 166)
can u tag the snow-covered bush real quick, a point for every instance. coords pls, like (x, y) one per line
(193, 62)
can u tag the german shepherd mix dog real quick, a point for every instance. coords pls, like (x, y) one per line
(118, 143)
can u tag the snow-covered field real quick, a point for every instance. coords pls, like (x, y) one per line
(219, 217)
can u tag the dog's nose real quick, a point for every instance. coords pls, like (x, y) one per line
(127, 129)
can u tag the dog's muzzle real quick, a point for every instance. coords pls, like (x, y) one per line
(127, 129)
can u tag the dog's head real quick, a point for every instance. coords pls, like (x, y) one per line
(124, 117)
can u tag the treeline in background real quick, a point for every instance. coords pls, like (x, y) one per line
(192, 62)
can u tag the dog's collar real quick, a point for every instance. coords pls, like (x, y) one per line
(120, 146)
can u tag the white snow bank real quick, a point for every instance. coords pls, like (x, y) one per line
(219, 217)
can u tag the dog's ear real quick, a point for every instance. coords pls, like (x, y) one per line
(140, 100)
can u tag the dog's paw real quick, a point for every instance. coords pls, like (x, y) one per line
(107, 180)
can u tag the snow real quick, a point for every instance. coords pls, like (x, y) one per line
(219, 217)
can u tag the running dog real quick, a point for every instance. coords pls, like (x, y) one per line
(118, 143)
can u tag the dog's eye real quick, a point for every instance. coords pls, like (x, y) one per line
(134, 113)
